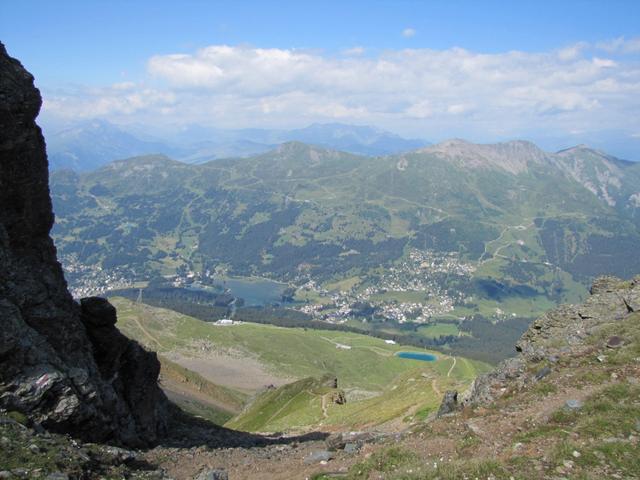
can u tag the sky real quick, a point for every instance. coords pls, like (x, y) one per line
(558, 73)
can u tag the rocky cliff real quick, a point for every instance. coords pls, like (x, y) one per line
(558, 334)
(64, 366)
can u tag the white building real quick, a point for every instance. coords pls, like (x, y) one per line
(224, 321)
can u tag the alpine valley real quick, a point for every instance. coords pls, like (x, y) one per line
(442, 246)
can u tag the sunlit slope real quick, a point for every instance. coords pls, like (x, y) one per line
(369, 364)
(411, 396)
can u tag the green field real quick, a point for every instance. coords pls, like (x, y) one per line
(436, 330)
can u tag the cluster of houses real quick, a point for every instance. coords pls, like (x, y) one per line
(422, 271)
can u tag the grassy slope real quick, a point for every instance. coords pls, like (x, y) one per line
(295, 400)
(402, 387)
(370, 364)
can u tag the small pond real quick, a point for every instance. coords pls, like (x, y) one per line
(425, 357)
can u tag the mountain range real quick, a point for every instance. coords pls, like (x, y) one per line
(479, 227)
(85, 146)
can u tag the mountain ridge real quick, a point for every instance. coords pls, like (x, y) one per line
(493, 154)
(88, 145)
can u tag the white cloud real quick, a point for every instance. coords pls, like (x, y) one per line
(437, 92)
(354, 51)
(459, 108)
(123, 86)
(572, 52)
(125, 98)
(421, 109)
(621, 45)
(603, 62)
(408, 32)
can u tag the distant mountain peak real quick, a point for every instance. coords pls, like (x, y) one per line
(148, 161)
(582, 152)
(305, 152)
(583, 148)
(357, 139)
(575, 148)
(514, 156)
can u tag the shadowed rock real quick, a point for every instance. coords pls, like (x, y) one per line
(68, 369)
(449, 403)
(615, 341)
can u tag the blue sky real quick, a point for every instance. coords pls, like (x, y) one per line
(119, 60)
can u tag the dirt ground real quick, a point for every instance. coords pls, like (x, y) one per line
(233, 371)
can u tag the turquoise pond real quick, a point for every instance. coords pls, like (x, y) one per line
(425, 357)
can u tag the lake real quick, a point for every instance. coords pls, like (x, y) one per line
(254, 291)
(425, 357)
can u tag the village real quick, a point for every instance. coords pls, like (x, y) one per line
(86, 280)
(421, 274)
(413, 290)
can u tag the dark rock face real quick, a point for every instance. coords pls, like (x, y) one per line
(339, 398)
(449, 403)
(558, 333)
(66, 368)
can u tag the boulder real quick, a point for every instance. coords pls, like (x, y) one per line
(573, 404)
(215, 474)
(604, 283)
(615, 341)
(449, 403)
(318, 456)
(339, 441)
(543, 372)
(339, 398)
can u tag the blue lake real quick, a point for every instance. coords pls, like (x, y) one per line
(425, 357)
(254, 291)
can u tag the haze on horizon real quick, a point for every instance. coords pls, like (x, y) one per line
(558, 75)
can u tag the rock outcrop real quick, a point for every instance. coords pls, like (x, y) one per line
(563, 331)
(65, 367)
(449, 404)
